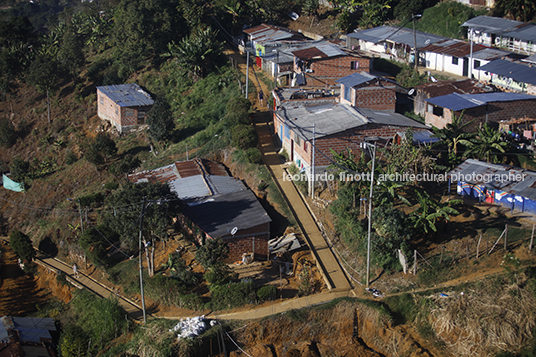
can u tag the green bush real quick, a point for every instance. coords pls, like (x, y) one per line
(266, 292)
(70, 157)
(8, 135)
(95, 241)
(19, 169)
(232, 295)
(92, 200)
(164, 290)
(254, 155)
(244, 137)
(112, 185)
(220, 274)
(21, 245)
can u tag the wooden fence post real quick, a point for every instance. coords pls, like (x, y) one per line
(505, 236)
(531, 239)
(415, 262)
(478, 245)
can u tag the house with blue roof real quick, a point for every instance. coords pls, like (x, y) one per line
(513, 76)
(366, 90)
(479, 108)
(125, 106)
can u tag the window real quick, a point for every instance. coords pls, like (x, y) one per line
(476, 64)
(347, 92)
(455, 60)
(438, 111)
(102, 100)
(287, 132)
(305, 146)
(354, 65)
(298, 140)
(116, 111)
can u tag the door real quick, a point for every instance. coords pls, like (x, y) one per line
(291, 150)
(465, 67)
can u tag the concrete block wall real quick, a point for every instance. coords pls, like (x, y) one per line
(375, 97)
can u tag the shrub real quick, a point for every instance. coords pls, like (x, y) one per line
(125, 166)
(254, 155)
(232, 295)
(164, 290)
(8, 135)
(212, 252)
(266, 292)
(220, 274)
(244, 137)
(19, 169)
(94, 241)
(21, 245)
(112, 185)
(70, 157)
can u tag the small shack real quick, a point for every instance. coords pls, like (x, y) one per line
(125, 106)
(508, 186)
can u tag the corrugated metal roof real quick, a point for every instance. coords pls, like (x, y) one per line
(202, 186)
(219, 214)
(454, 48)
(397, 35)
(332, 118)
(127, 95)
(459, 102)
(29, 329)
(264, 33)
(466, 86)
(491, 24)
(517, 71)
(477, 169)
(525, 33)
(179, 169)
(320, 50)
(356, 79)
(490, 54)
(530, 59)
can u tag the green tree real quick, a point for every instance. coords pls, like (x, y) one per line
(220, 274)
(73, 341)
(522, 10)
(8, 134)
(212, 252)
(95, 242)
(157, 214)
(105, 144)
(391, 232)
(160, 121)
(19, 169)
(44, 73)
(21, 245)
(198, 53)
(71, 54)
(486, 145)
(244, 137)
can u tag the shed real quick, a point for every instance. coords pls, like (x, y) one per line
(125, 106)
(509, 186)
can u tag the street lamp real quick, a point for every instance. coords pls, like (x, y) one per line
(415, 58)
(372, 152)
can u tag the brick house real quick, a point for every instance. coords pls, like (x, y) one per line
(216, 205)
(426, 91)
(322, 64)
(365, 90)
(337, 127)
(125, 106)
(479, 108)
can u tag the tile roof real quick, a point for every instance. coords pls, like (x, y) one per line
(127, 95)
(459, 102)
(397, 35)
(517, 71)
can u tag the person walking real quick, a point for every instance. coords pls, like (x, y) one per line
(75, 271)
(261, 98)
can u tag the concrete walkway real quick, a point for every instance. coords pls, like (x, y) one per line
(329, 266)
(86, 282)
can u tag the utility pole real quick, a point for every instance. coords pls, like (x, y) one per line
(366, 145)
(247, 73)
(141, 271)
(81, 221)
(415, 55)
(313, 173)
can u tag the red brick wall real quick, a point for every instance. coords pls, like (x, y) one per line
(493, 112)
(122, 118)
(329, 70)
(243, 240)
(375, 97)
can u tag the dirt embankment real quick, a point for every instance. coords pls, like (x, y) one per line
(348, 329)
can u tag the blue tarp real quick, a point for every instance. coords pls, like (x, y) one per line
(12, 185)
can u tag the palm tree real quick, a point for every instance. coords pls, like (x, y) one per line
(487, 144)
(452, 135)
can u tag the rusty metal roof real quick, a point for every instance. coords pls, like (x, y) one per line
(454, 48)
(466, 86)
(320, 50)
(180, 169)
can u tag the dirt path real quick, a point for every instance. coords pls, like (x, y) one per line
(327, 263)
(19, 293)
